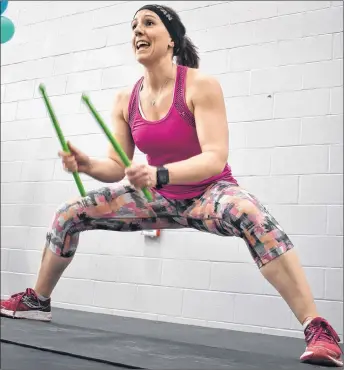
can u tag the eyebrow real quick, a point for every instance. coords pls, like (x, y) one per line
(145, 16)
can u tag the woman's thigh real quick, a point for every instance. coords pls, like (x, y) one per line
(226, 209)
(113, 208)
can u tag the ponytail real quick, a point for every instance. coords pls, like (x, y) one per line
(187, 54)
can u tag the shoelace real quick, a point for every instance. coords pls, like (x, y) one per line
(18, 297)
(322, 331)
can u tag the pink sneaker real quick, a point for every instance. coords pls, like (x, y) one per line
(322, 344)
(26, 305)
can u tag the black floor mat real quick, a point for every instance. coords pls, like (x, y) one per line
(126, 342)
(14, 357)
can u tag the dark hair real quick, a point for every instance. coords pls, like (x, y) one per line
(184, 49)
(187, 54)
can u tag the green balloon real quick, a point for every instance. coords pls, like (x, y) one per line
(7, 29)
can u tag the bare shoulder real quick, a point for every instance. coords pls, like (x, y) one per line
(125, 93)
(121, 102)
(203, 85)
(199, 76)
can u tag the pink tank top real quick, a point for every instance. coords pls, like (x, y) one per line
(171, 139)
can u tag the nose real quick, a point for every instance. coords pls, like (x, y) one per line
(138, 31)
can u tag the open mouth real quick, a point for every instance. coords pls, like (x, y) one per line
(141, 45)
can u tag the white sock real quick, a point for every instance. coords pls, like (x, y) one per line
(42, 298)
(306, 323)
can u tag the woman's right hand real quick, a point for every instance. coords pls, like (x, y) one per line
(76, 160)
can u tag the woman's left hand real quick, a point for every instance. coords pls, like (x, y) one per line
(141, 175)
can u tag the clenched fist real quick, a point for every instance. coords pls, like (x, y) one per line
(76, 160)
(141, 175)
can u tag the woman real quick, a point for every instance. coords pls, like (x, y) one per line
(177, 116)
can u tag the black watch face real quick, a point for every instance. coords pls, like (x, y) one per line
(162, 176)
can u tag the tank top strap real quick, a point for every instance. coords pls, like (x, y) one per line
(179, 96)
(134, 102)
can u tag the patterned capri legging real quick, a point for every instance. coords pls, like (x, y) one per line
(224, 209)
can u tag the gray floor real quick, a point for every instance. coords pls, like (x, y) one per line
(21, 358)
(134, 343)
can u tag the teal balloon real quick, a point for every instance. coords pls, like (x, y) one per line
(7, 29)
(4, 4)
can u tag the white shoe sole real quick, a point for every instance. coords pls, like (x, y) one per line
(321, 360)
(330, 361)
(30, 315)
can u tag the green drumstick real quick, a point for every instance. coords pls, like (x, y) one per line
(60, 136)
(113, 141)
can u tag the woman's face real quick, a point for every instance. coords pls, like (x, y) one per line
(150, 38)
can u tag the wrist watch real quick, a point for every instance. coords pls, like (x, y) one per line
(162, 177)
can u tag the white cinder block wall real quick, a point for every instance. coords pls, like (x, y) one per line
(281, 67)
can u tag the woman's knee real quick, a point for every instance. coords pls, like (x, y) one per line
(66, 212)
(60, 239)
(73, 216)
(72, 208)
(262, 233)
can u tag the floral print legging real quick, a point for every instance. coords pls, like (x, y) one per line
(224, 209)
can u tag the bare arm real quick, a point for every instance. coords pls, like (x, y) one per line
(212, 131)
(111, 169)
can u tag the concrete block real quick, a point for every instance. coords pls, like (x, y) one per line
(338, 45)
(84, 81)
(336, 158)
(300, 160)
(336, 105)
(273, 133)
(214, 62)
(122, 297)
(250, 162)
(299, 219)
(245, 11)
(305, 50)
(321, 189)
(329, 20)
(334, 284)
(302, 103)
(236, 278)
(205, 305)
(19, 91)
(272, 189)
(279, 28)
(323, 74)
(254, 57)
(278, 79)
(251, 310)
(235, 84)
(317, 250)
(322, 130)
(177, 274)
(249, 108)
(335, 220)
(159, 300)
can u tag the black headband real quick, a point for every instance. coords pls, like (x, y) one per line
(170, 22)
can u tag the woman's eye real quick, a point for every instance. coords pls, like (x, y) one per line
(147, 23)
